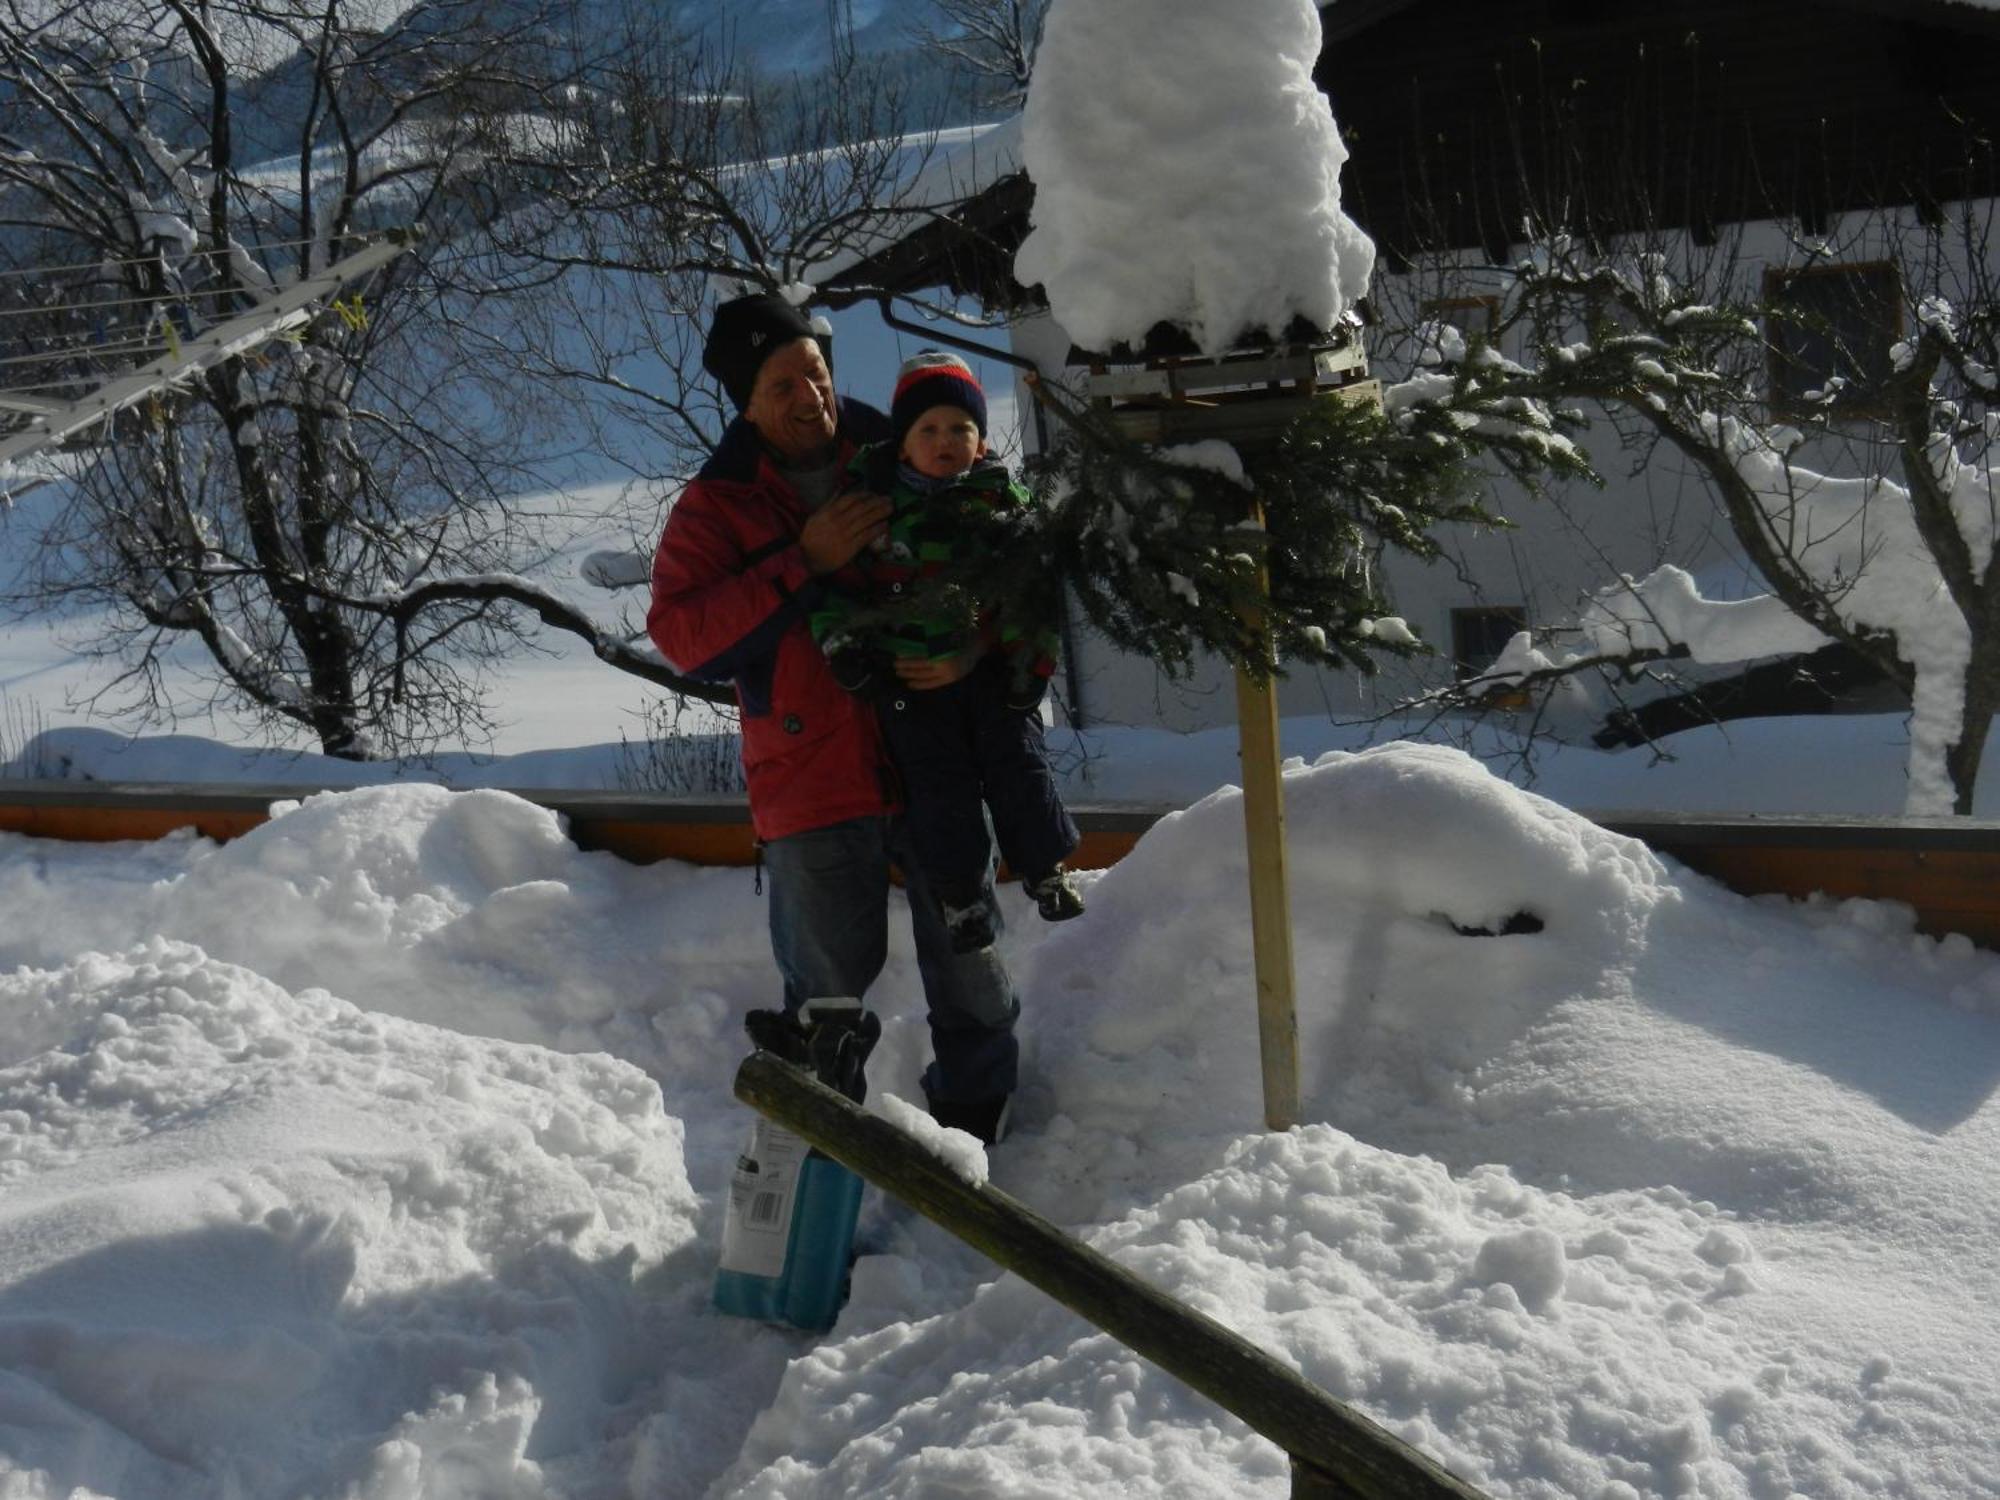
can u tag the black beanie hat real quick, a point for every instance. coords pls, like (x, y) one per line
(745, 332)
(934, 378)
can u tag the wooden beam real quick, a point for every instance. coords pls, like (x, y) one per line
(1946, 869)
(1270, 890)
(1270, 899)
(1333, 1439)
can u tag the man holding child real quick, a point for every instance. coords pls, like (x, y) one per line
(773, 529)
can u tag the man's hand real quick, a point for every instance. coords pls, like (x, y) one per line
(839, 529)
(924, 674)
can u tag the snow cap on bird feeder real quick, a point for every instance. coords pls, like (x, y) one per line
(1187, 172)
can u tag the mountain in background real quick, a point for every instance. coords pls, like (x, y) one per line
(772, 37)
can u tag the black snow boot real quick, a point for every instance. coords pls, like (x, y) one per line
(828, 1038)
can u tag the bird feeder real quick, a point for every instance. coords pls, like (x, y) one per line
(1164, 396)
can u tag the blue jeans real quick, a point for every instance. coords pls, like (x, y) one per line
(830, 935)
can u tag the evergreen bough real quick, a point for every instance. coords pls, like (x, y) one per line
(1162, 554)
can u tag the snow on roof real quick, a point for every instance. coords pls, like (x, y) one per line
(1186, 170)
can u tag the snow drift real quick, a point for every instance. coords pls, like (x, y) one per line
(379, 1154)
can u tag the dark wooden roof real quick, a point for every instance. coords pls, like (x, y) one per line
(1463, 117)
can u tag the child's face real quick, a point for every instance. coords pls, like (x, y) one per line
(942, 442)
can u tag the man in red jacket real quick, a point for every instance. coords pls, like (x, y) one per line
(738, 571)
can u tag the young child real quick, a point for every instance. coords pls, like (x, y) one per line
(973, 745)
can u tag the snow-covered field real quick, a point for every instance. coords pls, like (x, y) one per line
(381, 1153)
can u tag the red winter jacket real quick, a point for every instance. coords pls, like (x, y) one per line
(730, 599)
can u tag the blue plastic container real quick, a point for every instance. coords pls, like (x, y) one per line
(788, 1235)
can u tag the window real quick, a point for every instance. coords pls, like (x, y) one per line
(1473, 317)
(1831, 322)
(1469, 315)
(1478, 636)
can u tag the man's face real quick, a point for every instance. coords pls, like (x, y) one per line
(942, 442)
(791, 405)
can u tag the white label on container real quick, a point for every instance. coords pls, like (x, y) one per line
(762, 1193)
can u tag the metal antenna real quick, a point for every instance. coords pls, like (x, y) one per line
(50, 422)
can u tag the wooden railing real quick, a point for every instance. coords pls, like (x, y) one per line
(1946, 869)
(1336, 1452)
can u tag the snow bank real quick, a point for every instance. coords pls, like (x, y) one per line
(463, 909)
(253, 1241)
(1394, 853)
(1663, 1192)
(1859, 542)
(1575, 1209)
(1141, 126)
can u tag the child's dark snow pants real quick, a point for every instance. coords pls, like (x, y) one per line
(963, 751)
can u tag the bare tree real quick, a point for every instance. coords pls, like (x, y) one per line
(702, 180)
(295, 509)
(992, 41)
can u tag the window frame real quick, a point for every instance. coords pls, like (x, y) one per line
(1458, 617)
(1439, 309)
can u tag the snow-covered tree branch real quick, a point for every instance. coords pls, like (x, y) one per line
(1160, 552)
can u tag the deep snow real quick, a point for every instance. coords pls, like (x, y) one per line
(380, 1153)
(1145, 113)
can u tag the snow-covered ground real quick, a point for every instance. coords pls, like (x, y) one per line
(381, 1153)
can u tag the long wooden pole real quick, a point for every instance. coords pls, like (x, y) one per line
(1336, 1451)
(1270, 898)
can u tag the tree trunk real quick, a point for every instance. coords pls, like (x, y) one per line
(339, 739)
(1982, 700)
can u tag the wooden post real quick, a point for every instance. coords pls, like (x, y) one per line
(1270, 898)
(1340, 1452)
